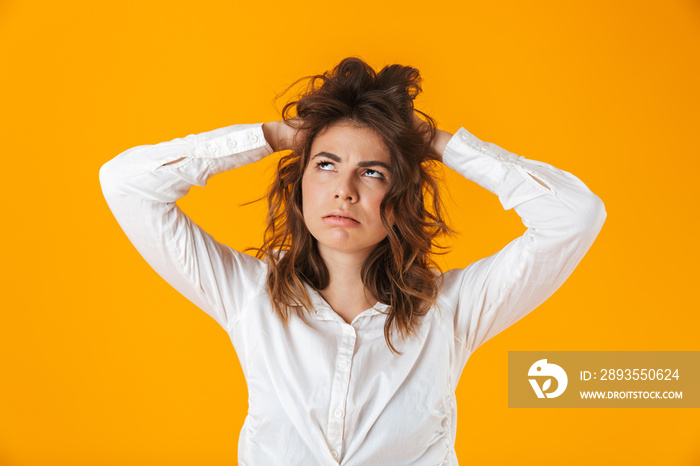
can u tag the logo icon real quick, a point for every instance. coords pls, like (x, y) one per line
(543, 369)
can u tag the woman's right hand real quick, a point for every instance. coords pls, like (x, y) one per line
(283, 136)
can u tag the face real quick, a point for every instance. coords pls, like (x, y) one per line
(348, 174)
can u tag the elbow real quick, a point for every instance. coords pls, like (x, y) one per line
(116, 172)
(596, 212)
(590, 215)
(114, 175)
(108, 177)
(105, 176)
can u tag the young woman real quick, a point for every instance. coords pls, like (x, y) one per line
(351, 341)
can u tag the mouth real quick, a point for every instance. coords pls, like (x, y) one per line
(340, 216)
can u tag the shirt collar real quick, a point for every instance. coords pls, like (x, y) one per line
(323, 311)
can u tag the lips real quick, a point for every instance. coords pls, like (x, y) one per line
(342, 214)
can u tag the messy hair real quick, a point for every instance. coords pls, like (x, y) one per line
(400, 271)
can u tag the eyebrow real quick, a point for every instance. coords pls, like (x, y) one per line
(364, 164)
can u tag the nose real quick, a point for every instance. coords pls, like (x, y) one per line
(346, 189)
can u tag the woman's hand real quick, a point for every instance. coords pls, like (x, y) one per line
(281, 135)
(437, 145)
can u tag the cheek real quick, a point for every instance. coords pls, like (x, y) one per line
(375, 206)
(309, 197)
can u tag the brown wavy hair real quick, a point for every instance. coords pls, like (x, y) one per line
(399, 271)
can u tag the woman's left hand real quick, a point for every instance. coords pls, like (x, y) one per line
(439, 142)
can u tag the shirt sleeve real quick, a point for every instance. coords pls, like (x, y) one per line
(141, 186)
(562, 218)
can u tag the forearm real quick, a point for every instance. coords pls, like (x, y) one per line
(546, 198)
(166, 171)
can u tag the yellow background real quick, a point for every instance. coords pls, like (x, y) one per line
(102, 363)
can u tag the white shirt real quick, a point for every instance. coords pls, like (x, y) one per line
(329, 392)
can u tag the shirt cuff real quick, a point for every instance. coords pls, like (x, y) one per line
(230, 140)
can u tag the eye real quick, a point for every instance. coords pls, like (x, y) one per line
(324, 165)
(375, 174)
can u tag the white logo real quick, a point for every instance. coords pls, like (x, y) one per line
(540, 369)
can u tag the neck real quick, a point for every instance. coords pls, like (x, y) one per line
(345, 292)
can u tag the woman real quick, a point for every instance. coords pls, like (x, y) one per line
(354, 212)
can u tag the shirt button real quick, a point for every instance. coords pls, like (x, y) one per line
(338, 413)
(503, 157)
(484, 148)
(211, 148)
(253, 137)
(231, 143)
(465, 136)
(343, 363)
(335, 454)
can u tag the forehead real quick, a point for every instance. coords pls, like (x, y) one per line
(351, 142)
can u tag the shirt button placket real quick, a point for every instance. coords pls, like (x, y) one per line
(339, 390)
